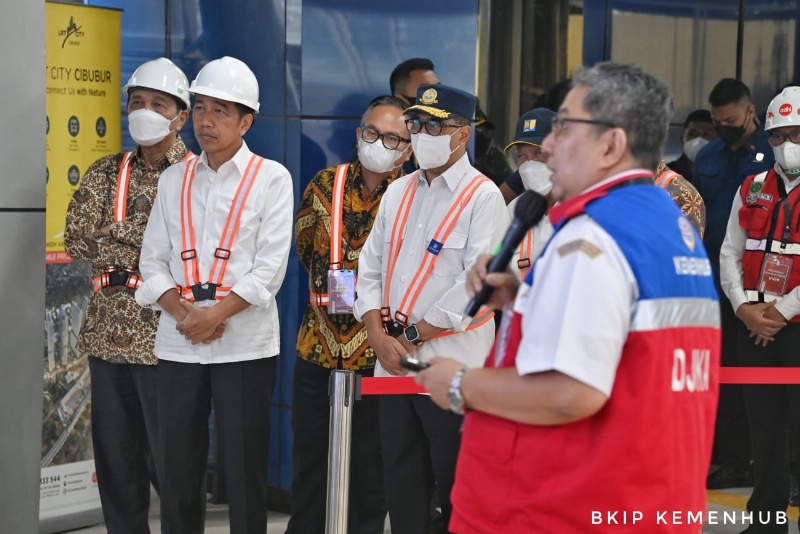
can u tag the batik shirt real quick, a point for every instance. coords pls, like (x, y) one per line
(115, 328)
(336, 341)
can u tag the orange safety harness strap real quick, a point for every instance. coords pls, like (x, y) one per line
(193, 290)
(525, 251)
(441, 234)
(665, 178)
(337, 220)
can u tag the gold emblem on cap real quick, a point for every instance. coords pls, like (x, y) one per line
(429, 96)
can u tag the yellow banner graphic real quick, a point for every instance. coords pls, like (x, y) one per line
(83, 104)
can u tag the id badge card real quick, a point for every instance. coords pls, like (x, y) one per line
(341, 291)
(775, 274)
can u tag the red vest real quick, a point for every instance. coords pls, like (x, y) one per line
(763, 217)
(637, 465)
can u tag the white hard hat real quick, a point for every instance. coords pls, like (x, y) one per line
(162, 75)
(229, 79)
(784, 110)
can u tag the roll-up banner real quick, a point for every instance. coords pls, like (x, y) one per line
(83, 124)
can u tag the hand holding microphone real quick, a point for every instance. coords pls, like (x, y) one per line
(529, 210)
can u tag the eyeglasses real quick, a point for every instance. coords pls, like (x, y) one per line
(390, 141)
(778, 138)
(561, 124)
(432, 127)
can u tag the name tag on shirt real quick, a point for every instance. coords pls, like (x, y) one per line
(775, 274)
(341, 291)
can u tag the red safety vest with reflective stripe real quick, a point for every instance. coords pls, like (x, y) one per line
(120, 214)
(223, 252)
(430, 256)
(763, 218)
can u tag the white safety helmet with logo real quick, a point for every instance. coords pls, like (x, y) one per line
(229, 79)
(784, 110)
(162, 75)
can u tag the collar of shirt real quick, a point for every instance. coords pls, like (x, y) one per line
(453, 175)
(575, 205)
(239, 160)
(173, 155)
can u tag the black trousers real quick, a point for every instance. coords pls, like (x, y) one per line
(310, 424)
(770, 413)
(125, 441)
(732, 433)
(241, 393)
(420, 444)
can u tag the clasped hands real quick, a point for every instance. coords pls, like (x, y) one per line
(762, 319)
(199, 325)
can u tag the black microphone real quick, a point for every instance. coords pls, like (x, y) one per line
(529, 210)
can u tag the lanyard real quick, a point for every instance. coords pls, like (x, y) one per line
(337, 218)
(223, 252)
(432, 252)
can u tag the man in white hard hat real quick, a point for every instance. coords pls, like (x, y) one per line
(760, 275)
(105, 223)
(213, 257)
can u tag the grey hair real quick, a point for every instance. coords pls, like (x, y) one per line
(385, 100)
(631, 99)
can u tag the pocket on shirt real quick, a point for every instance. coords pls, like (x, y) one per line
(753, 217)
(450, 261)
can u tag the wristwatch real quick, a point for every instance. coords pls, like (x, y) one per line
(454, 393)
(411, 334)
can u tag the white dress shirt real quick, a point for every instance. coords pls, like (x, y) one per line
(730, 259)
(257, 263)
(443, 300)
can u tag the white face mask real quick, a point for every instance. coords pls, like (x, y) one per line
(788, 156)
(376, 157)
(148, 127)
(431, 151)
(693, 146)
(536, 177)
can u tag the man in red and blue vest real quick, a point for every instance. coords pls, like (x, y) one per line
(760, 274)
(595, 410)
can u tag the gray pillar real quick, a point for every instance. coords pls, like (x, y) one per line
(22, 271)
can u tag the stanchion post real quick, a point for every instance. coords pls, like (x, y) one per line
(342, 393)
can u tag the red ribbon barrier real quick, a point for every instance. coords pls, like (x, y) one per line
(728, 375)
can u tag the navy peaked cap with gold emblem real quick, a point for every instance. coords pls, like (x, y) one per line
(533, 127)
(444, 102)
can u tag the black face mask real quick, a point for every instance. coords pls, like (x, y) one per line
(731, 135)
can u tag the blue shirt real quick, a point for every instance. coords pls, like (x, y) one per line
(719, 171)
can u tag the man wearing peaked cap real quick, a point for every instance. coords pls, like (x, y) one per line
(532, 128)
(412, 300)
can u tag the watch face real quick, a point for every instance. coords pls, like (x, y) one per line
(411, 333)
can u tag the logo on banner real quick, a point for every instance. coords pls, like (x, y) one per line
(72, 30)
(100, 127)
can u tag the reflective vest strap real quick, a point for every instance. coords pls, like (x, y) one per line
(188, 254)
(396, 239)
(318, 299)
(123, 181)
(187, 294)
(442, 233)
(222, 254)
(665, 178)
(337, 209)
(483, 317)
(104, 280)
(525, 251)
(189, 155)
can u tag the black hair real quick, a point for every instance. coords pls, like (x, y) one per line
(244, 110)
(556, 94)
(698, 115)
(402, 72)
(729, 91)
(383, 100)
